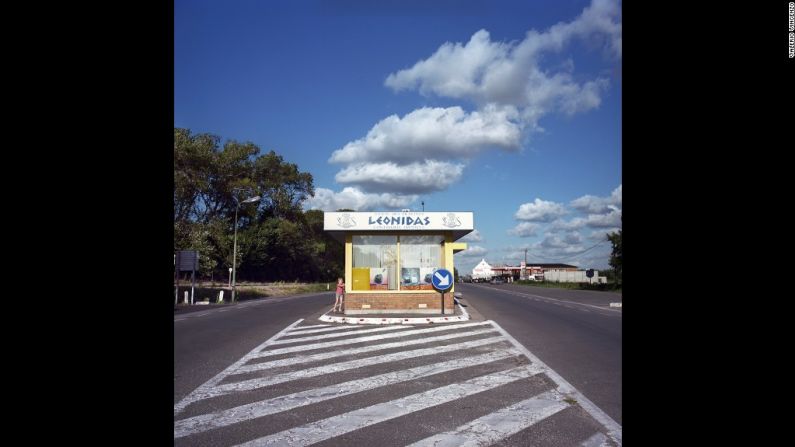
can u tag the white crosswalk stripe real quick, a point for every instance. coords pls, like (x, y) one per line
(344, 423)
(350, 329)
(314, 390)
(329, 355)
(500, 424)
(351, 341)
(188, 426)
(327, 336)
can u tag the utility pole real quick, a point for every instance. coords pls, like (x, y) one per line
(423, 206)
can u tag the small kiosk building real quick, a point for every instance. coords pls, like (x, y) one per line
(390, 258)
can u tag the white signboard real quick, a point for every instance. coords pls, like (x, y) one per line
(398, 220)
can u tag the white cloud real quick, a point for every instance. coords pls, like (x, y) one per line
(486, 72)
(524, 229)
(600, 235)
(352, 198)
(539, 211)
(414, 178)
(510, 89)
(434, 133)
(612, 219)
(570, 248)
(566, 245)
(472, 252)
(598, 205)
(474, 236)
(453, 70)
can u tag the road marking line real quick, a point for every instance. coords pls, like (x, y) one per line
(500, 424)
(354, 420)
(326, 336)
(564, 387)
(191, 397)
(261, 382)
(204, 422)
(597, 440)
(351, 341)
(328, 355)
(544, 298)
(308, 327)
(329, 329)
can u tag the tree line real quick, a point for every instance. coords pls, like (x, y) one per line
(276, 239)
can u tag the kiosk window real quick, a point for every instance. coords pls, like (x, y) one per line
(420, 257)
(374, 263)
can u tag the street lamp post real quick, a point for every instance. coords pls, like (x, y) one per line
(234, 251)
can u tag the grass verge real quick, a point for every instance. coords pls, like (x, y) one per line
(609, 287)
(248, 291)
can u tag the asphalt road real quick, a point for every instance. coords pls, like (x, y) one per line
(206, 342)
(574, 332)
(308, 368)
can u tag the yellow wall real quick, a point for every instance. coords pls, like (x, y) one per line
(348, 262)
(448, 256)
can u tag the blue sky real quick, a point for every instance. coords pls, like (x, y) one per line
(508, 109)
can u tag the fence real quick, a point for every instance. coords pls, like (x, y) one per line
(576, 276)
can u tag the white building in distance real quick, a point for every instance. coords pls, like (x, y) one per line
(482, 271)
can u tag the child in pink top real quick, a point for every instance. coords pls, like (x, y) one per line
(340, 295)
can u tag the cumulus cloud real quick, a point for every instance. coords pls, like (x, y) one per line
(567, 244)
(432, 133)
(598, 205)
(524, 229)
(474, 236)
(414, 178)
(512, 92)
(540, 211)
(612, 219)
(353, 198)
(485, 71)
(475, 251)
(600, 235)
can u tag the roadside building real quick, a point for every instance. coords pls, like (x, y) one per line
(537, 271)
(390, 258)
(482, 271)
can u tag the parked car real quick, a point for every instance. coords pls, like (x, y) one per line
(497, 280)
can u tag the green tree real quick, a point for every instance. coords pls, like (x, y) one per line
(210, 181)
(616, 255)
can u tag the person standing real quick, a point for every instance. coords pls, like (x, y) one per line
(340, 295)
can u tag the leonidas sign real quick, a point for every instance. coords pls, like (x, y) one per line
(400, 220)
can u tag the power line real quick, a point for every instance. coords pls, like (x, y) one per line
(584, 251)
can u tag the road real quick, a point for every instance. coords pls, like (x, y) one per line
(206, 342)
(519, 373)
(575, 332)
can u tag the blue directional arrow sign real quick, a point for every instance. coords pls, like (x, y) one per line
(442, 280)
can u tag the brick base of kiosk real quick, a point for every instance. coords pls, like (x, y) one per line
(380, 303)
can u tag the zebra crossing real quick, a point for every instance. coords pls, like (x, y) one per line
(441, 385)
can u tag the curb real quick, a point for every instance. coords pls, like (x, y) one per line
(377, 320)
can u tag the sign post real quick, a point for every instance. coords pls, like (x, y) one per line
(589, 274)
(187, 260)
(442, 281)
